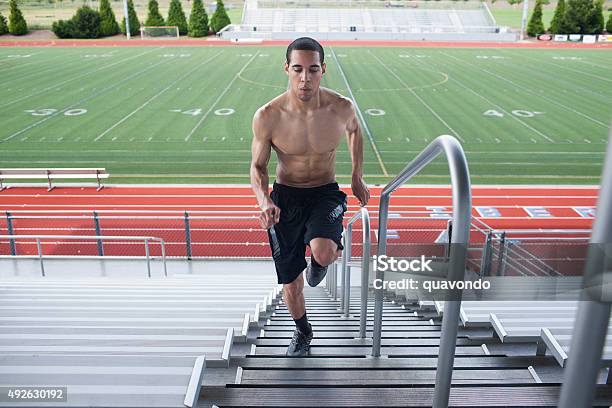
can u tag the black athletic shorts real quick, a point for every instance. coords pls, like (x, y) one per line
(306, 213)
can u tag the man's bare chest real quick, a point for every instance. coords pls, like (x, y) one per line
(308, 136)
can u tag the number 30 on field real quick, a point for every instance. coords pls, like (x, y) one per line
(518, 112)
(47, 112)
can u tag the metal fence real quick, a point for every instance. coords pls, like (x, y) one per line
(534, 253)
(43, 242)
(237, 234)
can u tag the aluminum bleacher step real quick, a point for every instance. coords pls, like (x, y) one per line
(558, 342)
(125, 343)
(466, 396)
(381, 377)
(319, 363)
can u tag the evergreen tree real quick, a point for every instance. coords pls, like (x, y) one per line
(535, 25)
(176, 16)
(154, 18)
(17, 24)
(108, 23)
(198, 20)
(577, 15)
(609, 24)
(557, 22)
(133, 19)
(596, 21)
(220, 18)
(86, 23)
(3, 26)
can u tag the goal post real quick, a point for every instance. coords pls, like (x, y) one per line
(148, 32)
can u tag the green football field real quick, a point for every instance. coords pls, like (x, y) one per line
(183, 114)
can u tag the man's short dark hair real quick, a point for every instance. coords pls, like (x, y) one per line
(306, 44)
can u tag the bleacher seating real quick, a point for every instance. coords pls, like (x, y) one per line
(371, 21)
(118, 342)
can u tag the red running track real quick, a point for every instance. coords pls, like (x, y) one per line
(223, 218)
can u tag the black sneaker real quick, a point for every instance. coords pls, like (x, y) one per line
(300, 344)
(315, 274)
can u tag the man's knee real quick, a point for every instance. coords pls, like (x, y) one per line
(324, 251)
(294, 288)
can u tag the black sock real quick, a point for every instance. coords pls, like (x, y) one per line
(314, 262)
(303, 325)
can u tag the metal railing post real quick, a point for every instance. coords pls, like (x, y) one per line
(163, 252)
(342, 275)
(485, 262)
(462, 207)
(335, 282)
(187, 235)
(383, 214)
(146, 241)
(40, 256)
(501, 262)
(346, 271)
(365, 271)
(9, 227)
(593, 315)
(449, 235)
(98, 233)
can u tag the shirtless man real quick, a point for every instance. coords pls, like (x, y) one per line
(304, 126)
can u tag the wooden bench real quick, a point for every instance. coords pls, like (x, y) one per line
(52, 174)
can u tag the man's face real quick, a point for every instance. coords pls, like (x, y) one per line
(305, 72)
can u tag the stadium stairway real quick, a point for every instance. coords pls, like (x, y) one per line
(341, 371)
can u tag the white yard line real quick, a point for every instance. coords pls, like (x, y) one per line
(227, 88)
(76, 77)
(565, 83)
(418, 97)
(36, 71)
(579, 72)
(362, 119)
(114, 85)
(564, 106)
(242, 162)
(129, 115)
(216, 151)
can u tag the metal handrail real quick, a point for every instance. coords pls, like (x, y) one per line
(462, 207)
(593, 314)
(98, 238)
(365, 267)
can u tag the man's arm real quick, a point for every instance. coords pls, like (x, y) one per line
(260, 156)
(355, 146)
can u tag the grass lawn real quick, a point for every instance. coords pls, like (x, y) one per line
(183, 115)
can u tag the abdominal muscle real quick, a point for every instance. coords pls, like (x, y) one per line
(309, 170)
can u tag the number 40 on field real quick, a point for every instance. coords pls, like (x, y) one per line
(519, 112)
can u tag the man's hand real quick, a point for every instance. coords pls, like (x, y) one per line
(360, 190)
(270, 215)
